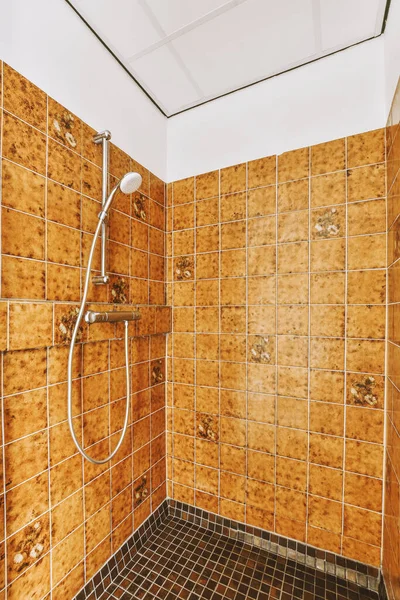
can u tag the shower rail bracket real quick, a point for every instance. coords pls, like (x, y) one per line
(112, 316)
(102, 135)
(100, 279)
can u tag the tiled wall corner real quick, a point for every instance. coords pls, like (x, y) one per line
(64, 518)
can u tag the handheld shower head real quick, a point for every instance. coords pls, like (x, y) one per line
(130, 183)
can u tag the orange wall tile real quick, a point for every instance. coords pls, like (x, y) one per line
(276, 277)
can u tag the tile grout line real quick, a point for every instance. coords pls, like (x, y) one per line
(1, 174)
(49, 510)
(194, 349)
(47, 371)
(3, 460)
(219, 331)
(386, 366)
(69, 148)
(172, 347)
(343, 495)
(276, 336)
(281, 214)
(166, 339)
(246, 337)
(286, 181)
(130, 354)
(307, 491)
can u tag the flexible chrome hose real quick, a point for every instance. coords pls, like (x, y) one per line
(95, 461)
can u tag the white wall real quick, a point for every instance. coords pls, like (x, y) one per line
(392, 52)
(336, 96)
(49, 44)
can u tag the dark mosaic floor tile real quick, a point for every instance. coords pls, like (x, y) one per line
(184, 561)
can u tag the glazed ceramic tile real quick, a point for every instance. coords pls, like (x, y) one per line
(328, 189)
(63, 205)
(261, 201)
(293, 165)
(64, 166)
(364, 183)
(207, 185)
(293, 195)
(22, 189)
(64, 126)
(262, 172)
(23, 145)
(328, 157)
(326, 483)
(31, 325)
(366, 148)
(24, 99)
(233, 179)
(233, 207)
(183, 190)
(25, 279)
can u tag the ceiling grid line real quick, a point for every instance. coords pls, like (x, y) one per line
(189, 27)
(171, 49)
(316, 9)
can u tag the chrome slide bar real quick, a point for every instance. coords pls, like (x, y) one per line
(103, 137)
(111, 316)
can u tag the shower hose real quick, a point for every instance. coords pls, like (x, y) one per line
(75, 332)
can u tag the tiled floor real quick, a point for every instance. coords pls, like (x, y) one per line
(182, 560)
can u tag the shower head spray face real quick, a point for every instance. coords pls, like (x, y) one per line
(130, 183)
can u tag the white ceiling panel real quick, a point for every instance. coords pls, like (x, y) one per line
(248, 43)
(175, 14)
(166, 80)
(346, 22)
(122, 24)
(186, 52)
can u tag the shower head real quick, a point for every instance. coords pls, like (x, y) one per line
(130, 183)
